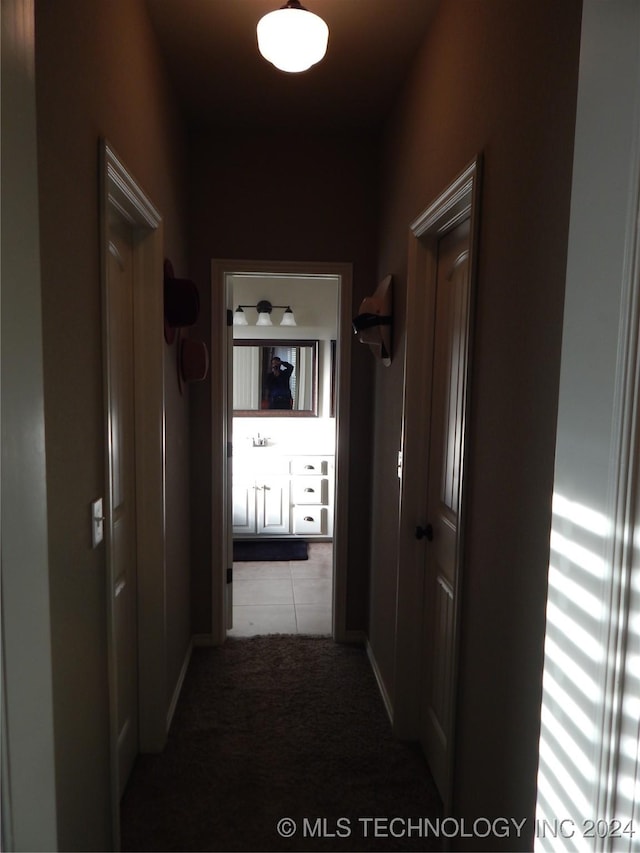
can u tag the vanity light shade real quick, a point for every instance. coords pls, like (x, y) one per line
(264, 319)
(287, 318)
(292, 38)
(240, 318)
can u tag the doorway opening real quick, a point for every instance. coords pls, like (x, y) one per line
(281, 477)
(284, 442)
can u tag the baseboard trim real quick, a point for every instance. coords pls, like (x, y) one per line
(203, 640)
(178, 688)
(381, 686)
(356, 637)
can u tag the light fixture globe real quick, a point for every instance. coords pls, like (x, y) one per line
(288, 318)
(292, 38)
(264, 308)
(239, 317)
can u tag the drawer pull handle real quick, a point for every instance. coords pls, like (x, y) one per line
(309, 467)
(308, 518)
(309, 490)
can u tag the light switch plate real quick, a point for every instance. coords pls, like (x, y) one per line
(97, 523)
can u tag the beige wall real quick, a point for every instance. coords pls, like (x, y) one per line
(494, 77)
(98, 74)
(286, 197)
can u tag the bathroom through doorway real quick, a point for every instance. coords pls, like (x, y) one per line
(285, 472)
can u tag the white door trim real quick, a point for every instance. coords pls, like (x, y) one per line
(621, 678)
(121, 193)
(596, 498)
(27, 740)
(457, 203)
(616, 794)
(221, 484)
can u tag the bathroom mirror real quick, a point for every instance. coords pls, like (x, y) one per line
(275, 378)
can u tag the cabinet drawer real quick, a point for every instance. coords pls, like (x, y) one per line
(309, 519)
(309, 465)
(309, 490)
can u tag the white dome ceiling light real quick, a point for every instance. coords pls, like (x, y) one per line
(292, 38)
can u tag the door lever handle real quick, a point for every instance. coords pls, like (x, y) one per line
(425, 532)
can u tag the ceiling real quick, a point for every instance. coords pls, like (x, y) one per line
(221, 79)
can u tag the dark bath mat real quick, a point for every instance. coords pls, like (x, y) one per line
(270, 551)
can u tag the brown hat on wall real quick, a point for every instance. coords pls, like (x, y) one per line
(181, 302)
(193, 361)
(373, 323)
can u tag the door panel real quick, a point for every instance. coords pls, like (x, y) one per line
(244, 507)
(122, 490)
(273, 506)
(444, 478)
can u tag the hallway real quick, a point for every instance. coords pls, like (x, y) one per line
(237, 161)
(279, 727)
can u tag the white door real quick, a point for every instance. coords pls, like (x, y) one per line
(446, 445)
(122, 491)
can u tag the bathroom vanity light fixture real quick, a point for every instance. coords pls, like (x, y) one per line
(292, 38)
(264, 309)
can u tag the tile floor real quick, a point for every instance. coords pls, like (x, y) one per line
(285, 597)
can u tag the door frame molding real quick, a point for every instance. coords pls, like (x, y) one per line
(221, 333)
(602, 268)
(458, 202)
(121, 193)
(27, 714)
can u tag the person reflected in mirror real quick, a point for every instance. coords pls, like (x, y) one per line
(277, 392)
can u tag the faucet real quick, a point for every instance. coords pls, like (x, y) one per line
(260, 441)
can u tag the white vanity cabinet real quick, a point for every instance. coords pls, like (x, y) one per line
(261, 506)
(283, 496)
(312, 495)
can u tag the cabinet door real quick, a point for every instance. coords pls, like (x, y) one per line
(273, 506)
(244, 506)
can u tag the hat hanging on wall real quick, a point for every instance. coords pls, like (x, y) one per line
(374, 321)
(193, 361)
(181, 302)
